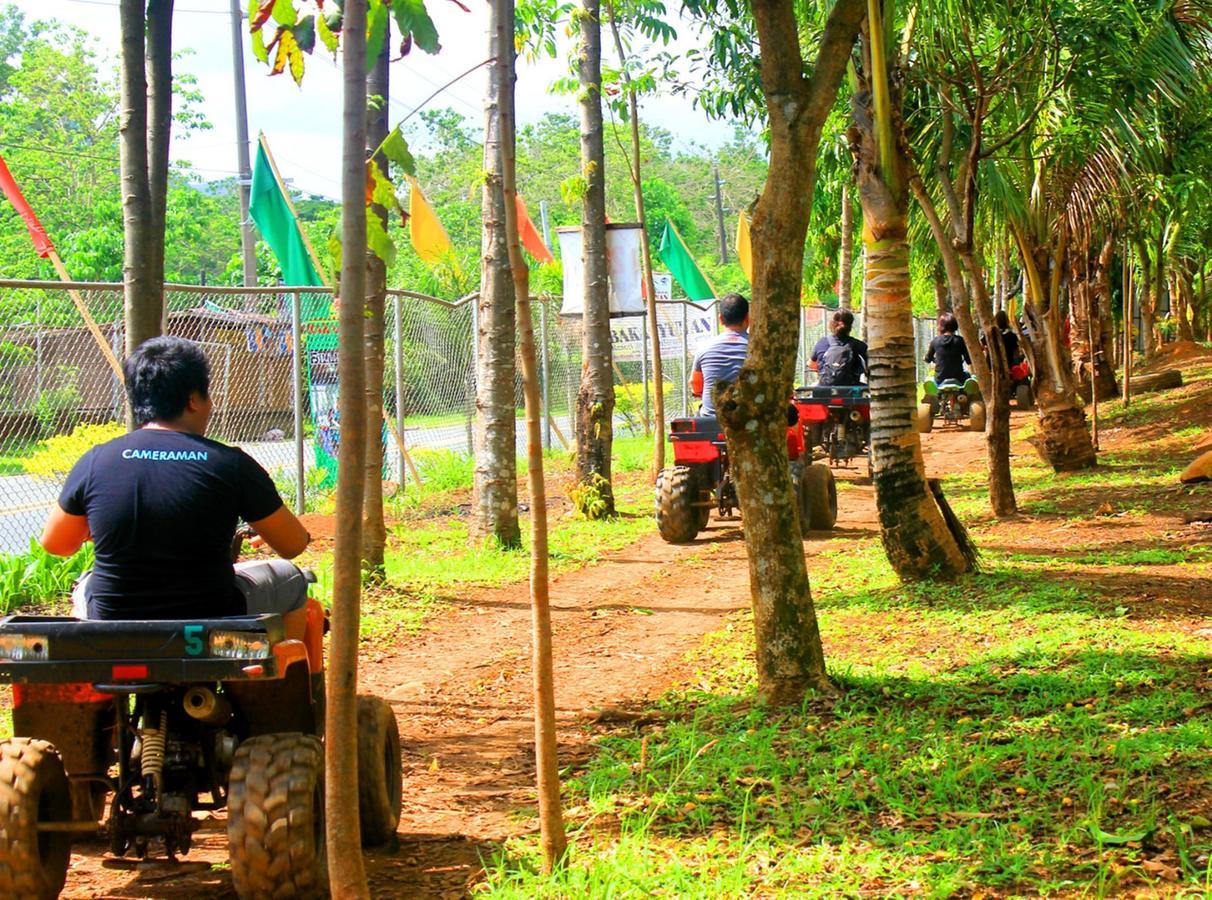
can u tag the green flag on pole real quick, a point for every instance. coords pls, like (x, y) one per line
(682, 266)
(277, 224)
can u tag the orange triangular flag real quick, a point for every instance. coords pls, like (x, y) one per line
(529, 235)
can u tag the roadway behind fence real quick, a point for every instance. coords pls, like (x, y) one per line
(270, 371)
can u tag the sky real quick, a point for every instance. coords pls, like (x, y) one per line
(302, 123)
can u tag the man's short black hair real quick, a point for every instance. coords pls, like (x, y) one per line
(161, 373)
(843, 321)
(947, 323)
(734, 309)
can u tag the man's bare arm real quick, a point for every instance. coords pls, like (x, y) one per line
(64, 533)
(283, 532)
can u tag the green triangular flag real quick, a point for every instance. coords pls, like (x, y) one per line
(682, 266)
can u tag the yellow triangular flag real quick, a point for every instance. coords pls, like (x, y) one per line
(744, 251)
(428, 236)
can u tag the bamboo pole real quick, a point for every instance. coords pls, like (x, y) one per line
(311, 251)
(91, 324)
(398, 434)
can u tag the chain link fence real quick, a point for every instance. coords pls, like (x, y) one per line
(273, 380)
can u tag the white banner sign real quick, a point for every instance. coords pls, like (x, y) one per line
(623, 267)
(627, 334)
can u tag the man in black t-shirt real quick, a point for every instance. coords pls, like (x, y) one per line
(838, 358)
(161, 505)
(948, 352)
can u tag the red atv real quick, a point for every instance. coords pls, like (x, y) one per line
(701, 480)
(169, 719)
(838, 420)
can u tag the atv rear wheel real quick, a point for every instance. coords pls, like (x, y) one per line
(678, 519)
(379, 774)
(924, 418)
(1023, 398)
(818, 498)
(275, 817)
(33, 789)
(976, 416)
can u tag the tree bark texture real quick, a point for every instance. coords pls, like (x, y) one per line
(790, 659)
(845, 275)
(595, 398)
(552, 836)
(346, 874)
(494, 501)
(1150, 296)
(654, 331)
(916, 537)
(143, 314)
(374, 528)
(1087, 280)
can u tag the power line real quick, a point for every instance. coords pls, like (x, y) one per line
(177, 9)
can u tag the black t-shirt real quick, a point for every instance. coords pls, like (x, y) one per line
(162, 508)
(948, 352)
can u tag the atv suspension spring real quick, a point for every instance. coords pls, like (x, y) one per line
(152, 741)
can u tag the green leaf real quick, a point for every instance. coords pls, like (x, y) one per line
(376, 31)
(327, 38)
(414, 20)
(377, 239)
(258, 46)
(334, 249)
(305, 33)
(384, 192)
(395, 148)
(1125, 837)
(284, 12)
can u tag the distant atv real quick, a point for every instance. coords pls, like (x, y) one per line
(171, 718)
(957, 405)
(837, 419)
(1021, 390)
(701, 480)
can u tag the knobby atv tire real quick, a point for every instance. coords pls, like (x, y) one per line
(380, 778)
(820, 498)
(925, 418)
(1023, 398)
(678, 519)
(275, 818)
(33, 788)
(976, 416)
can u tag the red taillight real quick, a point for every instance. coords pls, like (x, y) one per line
(720, 436)
(254, 671)
(836, 401)
(128, 673)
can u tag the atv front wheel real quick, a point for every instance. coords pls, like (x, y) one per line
(924, 417)
(379, 775)
(33, 790)
(818, 498)
(275, 818)
(1022, 396)
(976, 416)
(678, 519)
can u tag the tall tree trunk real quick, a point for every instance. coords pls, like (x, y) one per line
(942, 296)
(552, 837)
(1089, 359)
(1148, 297)
(595, 399)
(1184, 301)
(845, 274)
(374, 528)
(1105, 339)
(1063, 441)
(495, 493)
(347, 877)
(790, 659)
(654, 331)
(143, 313)
(159, 130)
(916, 537)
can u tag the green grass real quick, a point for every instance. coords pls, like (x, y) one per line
(14, 455)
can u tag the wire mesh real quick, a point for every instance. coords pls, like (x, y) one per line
(59, 396)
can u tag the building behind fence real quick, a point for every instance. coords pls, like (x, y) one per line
(267, 391)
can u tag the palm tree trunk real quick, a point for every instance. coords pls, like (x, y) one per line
(595, 399)
(1184, 301)
(494, 501)
(159, 129)
(143, 314)
(374, 528)
(845, 275)
(347, 876)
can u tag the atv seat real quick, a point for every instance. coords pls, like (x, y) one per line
(950, 385)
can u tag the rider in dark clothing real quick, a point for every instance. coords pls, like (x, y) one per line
(840, 359)
(948, 352)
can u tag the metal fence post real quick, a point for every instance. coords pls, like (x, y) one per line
(470, 388)
(399, 363)
(644, 368)
(543, 375)
(296, 333)
(685, 361)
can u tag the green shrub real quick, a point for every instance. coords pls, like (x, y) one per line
(38, 576)
(58, 408)
(444, 470)
(56, 456)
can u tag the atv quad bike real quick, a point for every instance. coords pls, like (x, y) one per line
(1021, 391)
(837, 419)
(957, 404)
(701, 480)
(168, 718)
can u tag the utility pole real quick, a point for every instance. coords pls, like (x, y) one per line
(248, 241)
(546, 225)
(719, 216)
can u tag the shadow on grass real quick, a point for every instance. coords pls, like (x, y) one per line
(1034, 774)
